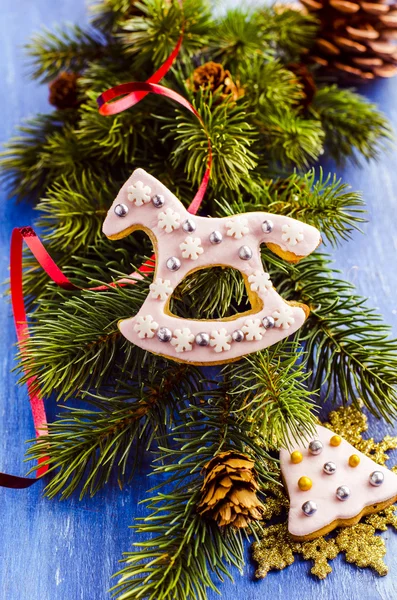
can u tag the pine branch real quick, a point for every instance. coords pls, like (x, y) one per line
(288, 138)
(290, 31)
(73, 211)
(183, 549)
(348, 347)
(84, 447)
(75, 347)
(231, 137)
(269, 85)
(152, 37)
(352, 124)
(238, 39)
(65, 50)
(25, 168)
(110, 15)
(276, 401)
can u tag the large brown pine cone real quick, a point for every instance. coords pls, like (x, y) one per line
(357, 39)
(229, 490)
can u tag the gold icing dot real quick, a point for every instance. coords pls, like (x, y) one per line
(304, 483)
(354, 460)
(336, 440)
(296, 457)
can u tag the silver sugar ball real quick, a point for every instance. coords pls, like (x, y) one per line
(315, 447)
(216, 237)
(158, 200)
(343, 493)
(237, 335)
(173, 263)
(121, 210)
(189, 226)
(202, 339)
(268, 322)
(267, 226)
(376, 478)
(164, 334)
(309, 508)
(245, 253)
(329, 468)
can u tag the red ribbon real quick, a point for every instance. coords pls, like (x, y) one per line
(131, 94)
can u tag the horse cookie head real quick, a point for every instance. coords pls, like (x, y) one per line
(133, 207)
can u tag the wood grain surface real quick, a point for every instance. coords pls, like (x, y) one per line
(51, 550)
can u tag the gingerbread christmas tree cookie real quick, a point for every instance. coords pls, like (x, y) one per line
(331, 484)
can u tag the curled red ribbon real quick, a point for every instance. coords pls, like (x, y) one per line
(131, 94)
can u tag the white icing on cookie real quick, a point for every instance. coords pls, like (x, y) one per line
(183, 340)
(292, 233)
(260, 281)
(283, 317)
(253, 329)
(220, 340)
(169, 220)
(191, 248)
(330, 509)
(237, 227)
(145, 326)
(197, 251)
(161, 288)
(139, 193)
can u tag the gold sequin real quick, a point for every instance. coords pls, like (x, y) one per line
(336, 440)
(305, 483)
(296, 457)
(354, 460)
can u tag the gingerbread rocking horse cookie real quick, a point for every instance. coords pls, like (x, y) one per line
(185, 243)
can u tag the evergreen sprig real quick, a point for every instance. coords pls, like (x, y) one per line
(85, 446)
(264, 137)
(70, 48)
(184, 550)
(353, 126)
(151, 36)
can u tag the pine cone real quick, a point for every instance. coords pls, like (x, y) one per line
(356, 37)
(229, 490)
(212, 76)
(63, 91)
(306, 79)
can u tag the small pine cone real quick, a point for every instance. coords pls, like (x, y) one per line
(63, 91)
(306, 79)
(228, 494)
(355, 40)
(212, 76)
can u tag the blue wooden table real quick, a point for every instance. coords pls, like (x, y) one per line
(51, 550)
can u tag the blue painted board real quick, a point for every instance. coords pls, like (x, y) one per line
(51, 550)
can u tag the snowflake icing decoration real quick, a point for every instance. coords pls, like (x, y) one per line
(183, 340)
(237, 227)
(146, 327)
(220, 340)
(191, 248)
(260, 281)
(253, 329)
(283, 317)
(139, 193)
(160, 288)
(292, 233)
(169, 220)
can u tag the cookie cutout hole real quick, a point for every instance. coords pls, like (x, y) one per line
(212, 293)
